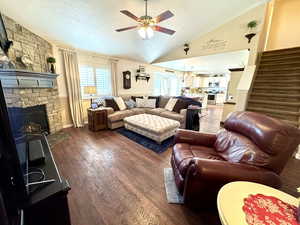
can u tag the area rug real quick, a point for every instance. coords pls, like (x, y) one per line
(56, 138)
(146, 142)
(172, 193)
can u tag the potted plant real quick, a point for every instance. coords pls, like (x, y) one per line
(251, 25)
(51, 61)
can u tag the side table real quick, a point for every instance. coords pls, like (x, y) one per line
(97, 119)
(231, 198)
(192, 118)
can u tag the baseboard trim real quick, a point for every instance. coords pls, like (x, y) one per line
(68, 126)
(71, 125)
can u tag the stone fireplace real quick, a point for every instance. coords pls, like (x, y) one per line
(35, 118)
(27, 89)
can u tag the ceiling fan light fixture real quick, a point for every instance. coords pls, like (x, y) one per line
(146, 32)
(142, 32)
(149, 32)
(147, 24)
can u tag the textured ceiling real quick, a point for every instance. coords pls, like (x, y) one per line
(90, 24)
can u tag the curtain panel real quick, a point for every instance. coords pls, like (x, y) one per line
(71, 72)
(114, 76)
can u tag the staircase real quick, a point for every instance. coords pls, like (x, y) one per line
(276, 89)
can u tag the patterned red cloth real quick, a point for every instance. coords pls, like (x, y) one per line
(268, 210)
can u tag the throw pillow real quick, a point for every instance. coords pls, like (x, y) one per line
(110, 102)
(130, 104)
(180, 104)
(171, 103)
(120, 103)
(135, 97)
(151, 103)
(163, 101)
(99, 101)
(145, 103)
(157, 100)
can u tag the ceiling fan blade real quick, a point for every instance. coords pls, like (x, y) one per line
(126, 28)
(164, 30)
(164, 16)
(127, 13)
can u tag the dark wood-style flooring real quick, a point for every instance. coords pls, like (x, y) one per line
(116, 181)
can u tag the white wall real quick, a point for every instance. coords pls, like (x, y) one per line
(235, 78)
(284, 30)
(244, 88)
(227, 38)
(141, 86)
(188, 79)
(137, 88)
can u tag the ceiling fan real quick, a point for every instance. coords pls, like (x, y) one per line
(147, 25)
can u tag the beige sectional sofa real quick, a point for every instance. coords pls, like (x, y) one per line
(115, 118)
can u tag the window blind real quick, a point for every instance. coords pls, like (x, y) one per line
(86, 78)
(103, 81)
(94, 76)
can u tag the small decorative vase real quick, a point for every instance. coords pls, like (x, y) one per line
(52, 68)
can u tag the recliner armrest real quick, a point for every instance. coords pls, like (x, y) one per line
(205, 177)
(195, 138)
(224, 171)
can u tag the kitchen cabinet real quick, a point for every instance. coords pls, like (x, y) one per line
(220, 98)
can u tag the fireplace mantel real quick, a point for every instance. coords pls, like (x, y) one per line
(11, 78)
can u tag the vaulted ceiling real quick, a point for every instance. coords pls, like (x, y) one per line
(90, 24)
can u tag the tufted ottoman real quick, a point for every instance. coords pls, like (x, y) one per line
(154, 127)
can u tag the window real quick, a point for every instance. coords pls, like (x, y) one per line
(95, 76)
(167, 84)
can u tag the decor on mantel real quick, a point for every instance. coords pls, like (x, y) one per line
(26, 61)
(51, 62)
(141, 74)
(186, 48)
(251, 25)
(5, 63)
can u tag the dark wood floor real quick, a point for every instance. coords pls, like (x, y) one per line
(116, 181)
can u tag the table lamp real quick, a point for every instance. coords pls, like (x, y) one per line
(90, 90)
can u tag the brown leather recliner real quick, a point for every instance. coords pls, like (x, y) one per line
(252, 147)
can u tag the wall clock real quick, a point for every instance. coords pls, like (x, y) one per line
(127, 79)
